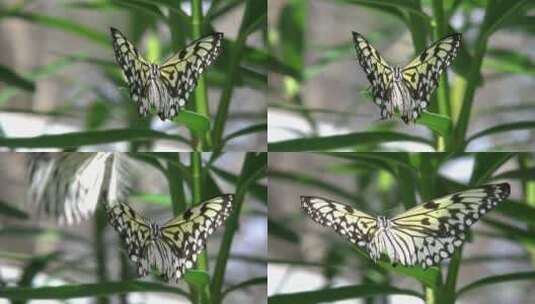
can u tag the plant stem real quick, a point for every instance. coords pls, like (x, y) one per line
(443, 87)
(201, 99)
(100, 249)
(226, 95)
(196, 189)
(246, 178)
(475, 67)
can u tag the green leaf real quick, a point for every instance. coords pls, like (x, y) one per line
(395, 7)
(519, 125)
(342, 141)
(77, 139)
(194, 121)
(35, 266)
(529, 275)
(197, 278)
(246, 284)
(87, 290)
(262, 127)
(430, 277)
(10, 77)
(440, 124)
(281, 231)
(37, 74)
(64, 25)
(485, 164)
(311, 181)
(517, 211)
(339, 293)
(509, 61)
(291, 27)
(10, 211)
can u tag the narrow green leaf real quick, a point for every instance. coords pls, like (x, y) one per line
(77, 139)
(519, 125)
(65, 25)
(194, 121)
(10, 77)
(87, 290)
(342, 141)
(440, 124)
(262, 127)
(246, 284)
(485, 164)
(339, 293)
(197, 278)
(529, 275)
(10, 211)
(280, 230)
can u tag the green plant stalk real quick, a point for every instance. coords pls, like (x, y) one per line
(100, 250)
(201, 98)
(443, 87)
(226, 95)
(448, 290)
(528, 189)
(196, 189)
(232, 226)
(176, 188)
(477, 61)
(430, 295)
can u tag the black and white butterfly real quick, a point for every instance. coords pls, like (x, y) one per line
(173, 247)
(423, 235)
(165, 87)
(407, 89)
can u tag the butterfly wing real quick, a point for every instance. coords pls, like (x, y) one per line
(187, 233)
(378, 72)
(354, 225)
(135, 69)
(433, 229)
(421, 75)
(135, 231)
(69, 185)
(180, 72)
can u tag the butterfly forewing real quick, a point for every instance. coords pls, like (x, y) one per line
(354, 225)
(135, 69)
(134, 230)
(187, 233)
(422, 74)
(377, 70)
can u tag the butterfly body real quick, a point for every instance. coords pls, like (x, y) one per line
(423, 235)
(165, 87)
(405, 89)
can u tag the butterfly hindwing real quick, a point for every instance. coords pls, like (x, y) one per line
(354, 225)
